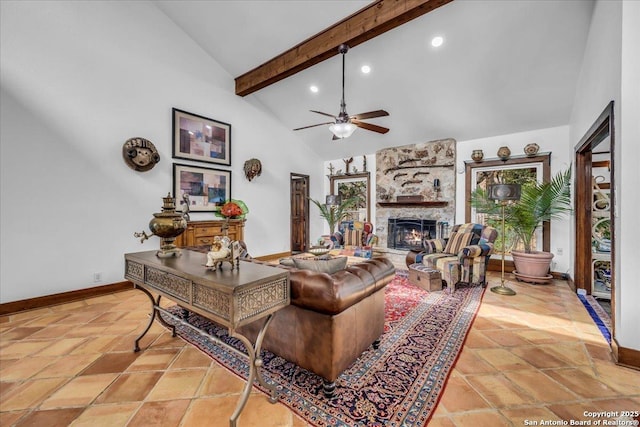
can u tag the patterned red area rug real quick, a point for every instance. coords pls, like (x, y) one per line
(398, 384)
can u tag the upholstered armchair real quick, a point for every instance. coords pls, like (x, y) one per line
(463, 257)
(354, 233)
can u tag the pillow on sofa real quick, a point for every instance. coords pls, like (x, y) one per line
(328, 266)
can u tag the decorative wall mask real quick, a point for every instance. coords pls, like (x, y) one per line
(252, 168)
(140, 154)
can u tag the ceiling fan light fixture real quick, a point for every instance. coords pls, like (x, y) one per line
(342, 130)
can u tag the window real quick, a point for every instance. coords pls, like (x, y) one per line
(517, 170)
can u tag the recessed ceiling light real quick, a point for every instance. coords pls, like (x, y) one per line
(313, 88)
(437, 41)
(365, 69)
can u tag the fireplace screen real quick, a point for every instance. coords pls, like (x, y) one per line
(408, 233)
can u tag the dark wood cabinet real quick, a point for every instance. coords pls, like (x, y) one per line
(202, 232)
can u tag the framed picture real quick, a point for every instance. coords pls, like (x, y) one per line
(350, 186)
(207, 188)
(199, 138)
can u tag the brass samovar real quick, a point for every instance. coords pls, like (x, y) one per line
(167, 225)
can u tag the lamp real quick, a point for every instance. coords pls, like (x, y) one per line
(342, 130)
(503, 193)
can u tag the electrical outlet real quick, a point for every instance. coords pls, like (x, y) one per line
(559, 251)
(97, 277)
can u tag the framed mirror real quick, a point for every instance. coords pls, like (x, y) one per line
(354, 185)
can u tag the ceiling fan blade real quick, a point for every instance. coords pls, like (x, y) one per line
(369, 126)
(370, 115)
(312, 126)
(324, 114)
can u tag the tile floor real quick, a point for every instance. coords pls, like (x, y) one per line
(535, 356)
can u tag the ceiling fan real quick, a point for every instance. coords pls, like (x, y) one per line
(344, 125)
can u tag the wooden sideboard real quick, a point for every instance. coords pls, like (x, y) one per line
(202, 232)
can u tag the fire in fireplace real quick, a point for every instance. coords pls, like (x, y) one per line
(408, 233)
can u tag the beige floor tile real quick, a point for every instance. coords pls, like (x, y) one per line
(11, 418)
(213, 412)
(581, 383)
(540, 386)
(30, 393)
(470, 363)
(106, 415)
(67, 366)
(219, 381)
(480, 419)
(191, 357)
(19, 333)
(25, 368)
(177, 384)
(503, 360)
(260, 412)
(625, 381)
(61, 347)
(498, 390)
(20, 349)
(133, 387)
(168, 413)
(528, 415)
(540, 357)
(80, 391)
(154, 359)
(52, 417)
(459, 396)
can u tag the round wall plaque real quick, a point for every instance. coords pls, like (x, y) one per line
(140, 154)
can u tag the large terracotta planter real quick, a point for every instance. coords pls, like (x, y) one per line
(532, 267)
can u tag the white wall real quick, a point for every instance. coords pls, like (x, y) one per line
(77, 80)
(610, 70)
(628, 181)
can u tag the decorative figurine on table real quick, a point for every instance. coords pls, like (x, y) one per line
(223, 250)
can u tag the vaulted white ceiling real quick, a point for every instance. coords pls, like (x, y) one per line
(504, 67)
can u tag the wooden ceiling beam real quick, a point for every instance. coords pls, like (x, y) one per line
(367, 23)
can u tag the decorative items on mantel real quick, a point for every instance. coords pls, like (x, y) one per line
(477, 155)
(504, 153)
(349, 169)
(531, 149)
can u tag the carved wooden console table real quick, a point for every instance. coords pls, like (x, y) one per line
(229, 297)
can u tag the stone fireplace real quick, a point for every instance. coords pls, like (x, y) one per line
(415, 194)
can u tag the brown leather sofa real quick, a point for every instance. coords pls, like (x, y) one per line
(332, 318)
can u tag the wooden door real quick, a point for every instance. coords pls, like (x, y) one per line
(299, 213)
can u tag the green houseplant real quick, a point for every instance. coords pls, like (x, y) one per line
(539, 203)
(334, 214)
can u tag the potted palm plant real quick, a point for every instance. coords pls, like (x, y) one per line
(539, 203)
(333, 214)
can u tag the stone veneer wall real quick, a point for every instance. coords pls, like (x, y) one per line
(422, 163)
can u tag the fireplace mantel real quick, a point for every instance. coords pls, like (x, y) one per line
(422, 204)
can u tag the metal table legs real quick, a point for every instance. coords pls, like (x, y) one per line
(253, 351)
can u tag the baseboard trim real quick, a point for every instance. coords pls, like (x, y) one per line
(628, 357)
(8, 308)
